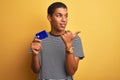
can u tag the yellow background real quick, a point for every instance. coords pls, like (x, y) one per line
(98, 21)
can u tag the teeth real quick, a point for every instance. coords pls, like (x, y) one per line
(62, 25)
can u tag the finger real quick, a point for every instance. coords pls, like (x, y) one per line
(36, 49)
(76, 33)
(36, 40)
(63, 36)
(67, 31)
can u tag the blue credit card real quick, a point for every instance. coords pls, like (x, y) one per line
(41, 35)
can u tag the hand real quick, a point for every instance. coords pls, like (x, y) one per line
(68, 37)
(36, 46)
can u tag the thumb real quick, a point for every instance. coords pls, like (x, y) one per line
(76, 33)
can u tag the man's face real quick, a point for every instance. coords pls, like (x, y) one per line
(59, 19)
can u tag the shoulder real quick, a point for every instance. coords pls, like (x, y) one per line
(77, 38)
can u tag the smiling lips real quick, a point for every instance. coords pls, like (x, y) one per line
(63, 25)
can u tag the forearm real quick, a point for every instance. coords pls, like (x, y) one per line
(71, 64)
(71, 60)
(35, 63)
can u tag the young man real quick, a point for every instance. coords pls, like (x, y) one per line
(57, 57)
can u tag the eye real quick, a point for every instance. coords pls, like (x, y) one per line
(59, 15)
(66, 15)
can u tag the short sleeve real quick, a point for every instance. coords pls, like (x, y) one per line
(78, 50)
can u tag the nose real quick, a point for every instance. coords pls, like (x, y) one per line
(64, 19)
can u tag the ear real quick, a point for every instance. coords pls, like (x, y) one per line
(49, 17)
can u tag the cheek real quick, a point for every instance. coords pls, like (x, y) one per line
(56, 21)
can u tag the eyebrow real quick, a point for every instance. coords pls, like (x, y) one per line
(61, 13)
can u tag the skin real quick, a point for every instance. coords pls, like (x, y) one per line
(58, 22)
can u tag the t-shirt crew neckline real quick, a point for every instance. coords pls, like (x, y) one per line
(54, 35)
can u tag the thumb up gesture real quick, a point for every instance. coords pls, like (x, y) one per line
(68, 37)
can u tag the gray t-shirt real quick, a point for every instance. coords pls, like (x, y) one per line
(52, 57)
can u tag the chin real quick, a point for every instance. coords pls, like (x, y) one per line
(62, 29)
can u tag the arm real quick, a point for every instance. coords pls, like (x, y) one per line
(35, 64)
(71, 60)
(35, 46)
(71, 64)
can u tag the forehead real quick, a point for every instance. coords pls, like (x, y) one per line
(60, 11)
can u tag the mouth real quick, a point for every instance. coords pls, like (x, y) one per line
(63, 25)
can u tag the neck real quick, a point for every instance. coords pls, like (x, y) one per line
(56, 33)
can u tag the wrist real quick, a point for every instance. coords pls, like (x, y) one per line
(68, 45)
(34, 54)
(69, 48)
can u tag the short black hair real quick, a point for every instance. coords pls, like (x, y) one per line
(55, 5)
